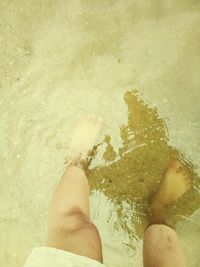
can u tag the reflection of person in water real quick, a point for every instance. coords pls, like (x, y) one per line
(69, 225)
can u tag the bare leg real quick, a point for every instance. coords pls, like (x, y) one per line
(161, 244)
(69, 224)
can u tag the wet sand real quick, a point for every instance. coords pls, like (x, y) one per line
(136, 64)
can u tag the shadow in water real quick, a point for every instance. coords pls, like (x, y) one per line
(133, 172)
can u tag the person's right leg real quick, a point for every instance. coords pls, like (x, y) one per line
(69, 224)
(161, 245)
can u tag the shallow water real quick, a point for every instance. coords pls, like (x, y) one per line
(136, 64)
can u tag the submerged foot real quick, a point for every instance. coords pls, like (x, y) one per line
(174, 184)
(84, 138)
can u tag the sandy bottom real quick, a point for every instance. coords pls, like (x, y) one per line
(136, 64)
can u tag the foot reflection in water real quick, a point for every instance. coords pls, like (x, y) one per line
(131, 174)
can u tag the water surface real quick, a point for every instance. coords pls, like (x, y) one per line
(134, 63)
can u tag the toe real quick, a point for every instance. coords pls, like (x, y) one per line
(188, 179)
(181, 169)
(174, 166)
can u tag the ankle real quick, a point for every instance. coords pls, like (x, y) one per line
(156, 204)
(157, 213)
(75, 167)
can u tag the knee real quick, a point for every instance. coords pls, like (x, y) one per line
(76, 221)
(75, 233)
(70, 222)
(160, 235)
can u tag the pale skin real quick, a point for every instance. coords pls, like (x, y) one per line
(69, 224)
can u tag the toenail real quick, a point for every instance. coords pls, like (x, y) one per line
(178, 170)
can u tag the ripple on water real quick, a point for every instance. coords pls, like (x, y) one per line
(130, 174)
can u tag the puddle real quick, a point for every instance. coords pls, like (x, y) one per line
(131, 173)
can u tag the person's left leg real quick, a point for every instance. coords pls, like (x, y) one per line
(161, 244)
(69, 225)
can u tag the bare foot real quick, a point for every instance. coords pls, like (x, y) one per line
(84, 138)
(175, 182)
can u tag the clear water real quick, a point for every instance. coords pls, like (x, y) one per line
(134, 63)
